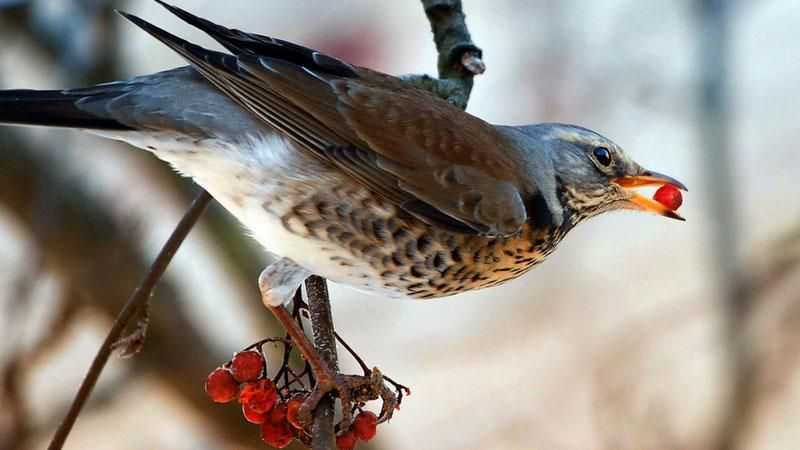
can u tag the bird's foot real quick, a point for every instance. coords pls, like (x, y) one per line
(327, 383)
(354, 391)
(372, 387)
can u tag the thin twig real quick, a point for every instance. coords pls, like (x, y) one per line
(136, 301)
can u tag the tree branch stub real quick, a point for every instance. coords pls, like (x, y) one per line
(459, 58)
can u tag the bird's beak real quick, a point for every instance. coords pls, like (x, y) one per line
(642, 203)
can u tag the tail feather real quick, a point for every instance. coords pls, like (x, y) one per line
(52, 109)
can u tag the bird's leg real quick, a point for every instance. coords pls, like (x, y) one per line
(327, 380)
(278, 282)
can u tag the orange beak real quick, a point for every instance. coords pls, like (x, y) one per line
(642, 203)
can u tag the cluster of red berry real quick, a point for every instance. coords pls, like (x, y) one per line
(245, 378)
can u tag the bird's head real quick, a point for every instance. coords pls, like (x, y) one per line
(593, 175)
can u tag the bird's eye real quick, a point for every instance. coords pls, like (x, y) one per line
(603, 156)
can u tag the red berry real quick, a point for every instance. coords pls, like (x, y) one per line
(247, 366)
(252, 416)
(669, 196)
(365, 425)
(260, 395)
(346, 441)
(277, 415)
(221, 387)
(278, 436)
(292, 410)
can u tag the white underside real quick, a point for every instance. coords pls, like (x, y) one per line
(243, 176)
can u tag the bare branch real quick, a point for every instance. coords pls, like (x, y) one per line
(135, 302)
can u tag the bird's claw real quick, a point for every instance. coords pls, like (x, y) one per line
(372, 388)
(330, 383)
(351, 389)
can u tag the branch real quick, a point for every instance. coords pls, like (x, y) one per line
(459, 58)
(138, 299)
(325, 342)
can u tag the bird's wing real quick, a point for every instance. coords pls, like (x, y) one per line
(432, 159)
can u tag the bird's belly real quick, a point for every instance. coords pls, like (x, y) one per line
(274, 189)
(288, 236)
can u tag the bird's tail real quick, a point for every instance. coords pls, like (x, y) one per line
(53, 109)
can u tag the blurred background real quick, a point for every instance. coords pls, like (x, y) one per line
(638, 332)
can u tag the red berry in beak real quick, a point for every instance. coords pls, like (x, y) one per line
(669, 196)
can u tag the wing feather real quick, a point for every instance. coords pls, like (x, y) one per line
(403, 143)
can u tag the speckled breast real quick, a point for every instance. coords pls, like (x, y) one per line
(408, 256)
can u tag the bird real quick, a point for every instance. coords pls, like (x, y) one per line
(350, 173)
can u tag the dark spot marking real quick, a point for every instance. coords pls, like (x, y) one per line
(332, 230)
(438, 260)
(388, 273)
(416, 271)
(342, 210)
(411, 250)
(423, 243)
(316, 225)
(379, 228)
(322, 206)
(393, 224)
(397, 258)
(401, 234)
(460, 271)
